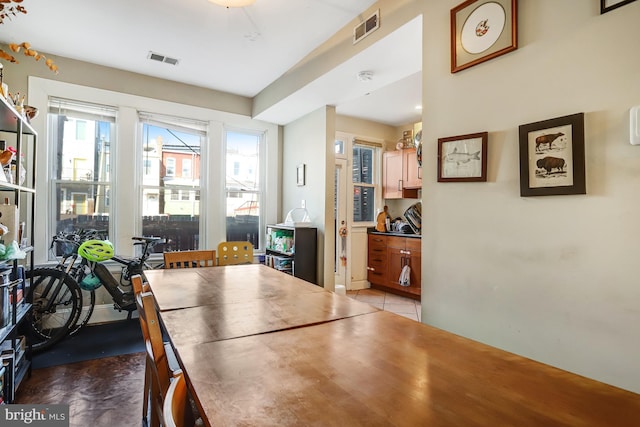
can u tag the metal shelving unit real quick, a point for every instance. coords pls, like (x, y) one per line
(15, 308)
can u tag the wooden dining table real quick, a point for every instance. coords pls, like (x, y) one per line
(346, 365)
(194, 287)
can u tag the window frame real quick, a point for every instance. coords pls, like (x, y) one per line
(262, 178)
(125, 203)
(376, 179)
(79, 112)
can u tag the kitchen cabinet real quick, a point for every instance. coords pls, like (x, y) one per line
(17, 190)
(403, 251)
(401, 174)
(293, 250)
(377, 259)
(412, 171)
(387, 255)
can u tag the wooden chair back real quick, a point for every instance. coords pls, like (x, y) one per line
(138, 284)
(177, 409)
(157, 365)
(230, 253)
(190, 259)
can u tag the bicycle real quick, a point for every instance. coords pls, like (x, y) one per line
(64, 295)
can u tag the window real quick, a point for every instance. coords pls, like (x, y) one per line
(122, 186)
(186, 168)
(81, 130)
(148, 166)
(170, 166)
(81, 136)
(172, 200)
(243, 186)
(364, 185)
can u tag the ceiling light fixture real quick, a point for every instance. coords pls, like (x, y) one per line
(365, 76)
(233, 3)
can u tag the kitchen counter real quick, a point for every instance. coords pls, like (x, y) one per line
(393, 233)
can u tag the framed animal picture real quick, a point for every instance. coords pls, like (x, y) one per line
(609, 5)
(463, 158)
(552, 158)
(482, 30)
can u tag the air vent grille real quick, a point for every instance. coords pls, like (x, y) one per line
(162, 58)
(367, 27)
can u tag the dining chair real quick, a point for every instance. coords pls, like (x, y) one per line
(190, 259)
(177, 409)
(157, 364)
(230, 253)
(138, 288)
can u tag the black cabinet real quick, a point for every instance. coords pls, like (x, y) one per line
(17, 195)
(293, 250)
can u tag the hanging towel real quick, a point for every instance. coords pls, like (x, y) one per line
(404, 276)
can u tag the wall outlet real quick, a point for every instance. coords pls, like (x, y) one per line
(303, 204)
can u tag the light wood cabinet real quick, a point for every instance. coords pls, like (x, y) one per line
(387, 255)
(412, 171)
(401, 175)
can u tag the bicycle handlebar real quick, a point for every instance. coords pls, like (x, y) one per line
(76, 238)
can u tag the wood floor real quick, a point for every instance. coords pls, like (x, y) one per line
(100, 392)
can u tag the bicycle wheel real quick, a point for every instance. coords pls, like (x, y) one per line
(88, 303)
(56, 302)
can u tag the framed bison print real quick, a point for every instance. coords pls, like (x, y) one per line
(463, 158)
(552, 158)
(609, 5)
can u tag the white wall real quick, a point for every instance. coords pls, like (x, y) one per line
(552, 278)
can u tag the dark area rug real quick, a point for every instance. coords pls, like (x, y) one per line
(94, 342)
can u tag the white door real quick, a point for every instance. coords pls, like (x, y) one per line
(340, 218)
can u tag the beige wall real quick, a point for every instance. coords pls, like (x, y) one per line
(309, 141)
(552, 278)
(96, 76)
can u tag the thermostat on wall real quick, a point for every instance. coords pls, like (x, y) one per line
(634, 125)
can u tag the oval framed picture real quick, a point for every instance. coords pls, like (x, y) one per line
(482, 30)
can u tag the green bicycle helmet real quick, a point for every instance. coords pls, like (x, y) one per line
(96, 250)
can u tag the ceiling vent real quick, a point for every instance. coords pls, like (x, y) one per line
(161, 58)
(367, 27)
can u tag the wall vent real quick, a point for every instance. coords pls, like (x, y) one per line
(161, 58)
(367, 27)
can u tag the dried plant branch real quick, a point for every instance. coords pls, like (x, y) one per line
(8, 10)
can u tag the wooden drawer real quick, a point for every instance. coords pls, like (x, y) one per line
(377, 277)
(379, 263)
(377, 241)
(396, 242)
(413, 244)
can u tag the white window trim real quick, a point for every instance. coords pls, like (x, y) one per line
(127, 206)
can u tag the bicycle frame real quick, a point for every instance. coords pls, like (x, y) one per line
(120, 291)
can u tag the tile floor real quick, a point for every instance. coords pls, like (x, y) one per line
(406, 307)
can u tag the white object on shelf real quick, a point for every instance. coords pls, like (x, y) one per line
(297, 217)
(634, 125)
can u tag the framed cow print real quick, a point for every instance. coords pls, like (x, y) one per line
(552, 158)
